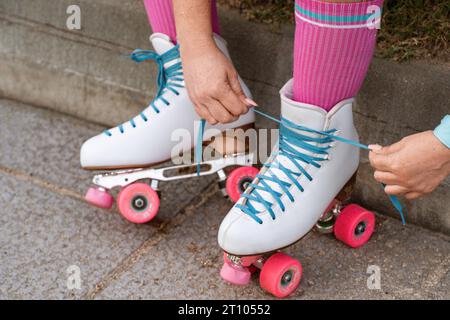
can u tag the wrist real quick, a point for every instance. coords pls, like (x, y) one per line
(195, 41)
(197, 47)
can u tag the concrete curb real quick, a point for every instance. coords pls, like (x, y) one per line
(86, 74)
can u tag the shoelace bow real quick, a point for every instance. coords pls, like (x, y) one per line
(316, 148)
(167, 78)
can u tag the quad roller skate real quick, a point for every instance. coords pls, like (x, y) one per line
(304, 184)
(281, 274)
(128, 151)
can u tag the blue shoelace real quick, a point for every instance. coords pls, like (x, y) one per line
(168, 79)
(315, 150)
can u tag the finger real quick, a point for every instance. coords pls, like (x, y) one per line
(379, 162)
(236, 86)
(395, 190)
(385, 177)
(218, 111)
(205, 114)
(413, 195)
(231, 101)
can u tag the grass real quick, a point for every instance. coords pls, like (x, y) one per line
(410, 29)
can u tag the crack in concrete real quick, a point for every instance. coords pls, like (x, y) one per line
(28, 177)
(127, 263)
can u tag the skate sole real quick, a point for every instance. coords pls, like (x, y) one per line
(342, 196)
(149, 165)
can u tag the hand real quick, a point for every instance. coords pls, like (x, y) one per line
(412, 167)
(212, 83)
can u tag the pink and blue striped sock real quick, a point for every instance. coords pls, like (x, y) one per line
(334, 45)
(160, 15)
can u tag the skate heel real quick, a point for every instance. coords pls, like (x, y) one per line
(231, 141)
(227, 143)
(326, 222)
(350, 223)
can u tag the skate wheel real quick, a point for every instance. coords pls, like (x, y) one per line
(354, 225)
(138, 203)
(238, 180)
(280, 275)
(234, 274)
(99, 198)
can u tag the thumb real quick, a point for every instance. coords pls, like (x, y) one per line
(376, 148)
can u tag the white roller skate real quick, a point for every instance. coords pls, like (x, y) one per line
(302, 185)
(146, 140)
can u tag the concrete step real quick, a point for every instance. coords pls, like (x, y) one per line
(86, 73)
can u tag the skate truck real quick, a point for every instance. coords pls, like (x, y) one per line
(139, 196)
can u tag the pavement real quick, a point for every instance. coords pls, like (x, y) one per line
(47, 231)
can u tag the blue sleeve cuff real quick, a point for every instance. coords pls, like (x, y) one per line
(442, 131)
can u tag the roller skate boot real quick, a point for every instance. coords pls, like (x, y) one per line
(305, 183)
(128, 151)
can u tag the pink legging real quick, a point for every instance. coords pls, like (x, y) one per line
(160, 15)
(334, 45)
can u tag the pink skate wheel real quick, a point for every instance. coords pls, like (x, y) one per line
(238, 180)
(235, 274)
(138, 203)
(280, 275)
(99, 198)
(354, 226)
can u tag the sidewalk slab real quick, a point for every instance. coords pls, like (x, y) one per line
(45, 225)
(43, 233)
(414, 264)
